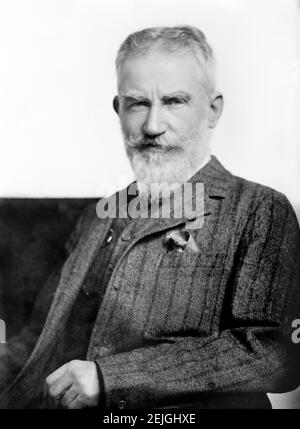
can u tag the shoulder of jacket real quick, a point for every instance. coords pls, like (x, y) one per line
(248, 188)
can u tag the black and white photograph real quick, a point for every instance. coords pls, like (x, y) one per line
(149, 206)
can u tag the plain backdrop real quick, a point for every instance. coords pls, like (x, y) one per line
(59, 135)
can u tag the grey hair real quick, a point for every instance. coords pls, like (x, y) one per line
(173, 39)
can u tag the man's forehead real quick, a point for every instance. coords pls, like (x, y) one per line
(164, 73)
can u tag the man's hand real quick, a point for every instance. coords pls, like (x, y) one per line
(74, 385)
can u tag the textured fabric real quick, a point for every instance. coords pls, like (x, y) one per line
(82, 318)
(178, 328)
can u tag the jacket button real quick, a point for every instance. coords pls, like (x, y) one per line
(122, 405)
(126, 236)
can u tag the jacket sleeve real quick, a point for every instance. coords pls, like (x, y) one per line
(14, 353)
(253, 350)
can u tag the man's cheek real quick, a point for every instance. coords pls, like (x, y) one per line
(132, 122)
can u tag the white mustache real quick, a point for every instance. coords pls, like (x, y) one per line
(143, 143)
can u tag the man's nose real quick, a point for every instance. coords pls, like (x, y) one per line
(154, 124)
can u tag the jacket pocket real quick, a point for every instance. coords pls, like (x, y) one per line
(186, 286)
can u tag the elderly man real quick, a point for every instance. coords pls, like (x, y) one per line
(152, 311)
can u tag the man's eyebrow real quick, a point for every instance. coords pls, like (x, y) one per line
(132, 95)
(175, 94)
(178, 94)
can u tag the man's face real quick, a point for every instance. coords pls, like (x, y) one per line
(163, 110)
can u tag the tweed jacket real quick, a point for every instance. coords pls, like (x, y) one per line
(175, 327)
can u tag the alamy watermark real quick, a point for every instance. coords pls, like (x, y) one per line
(157, 201)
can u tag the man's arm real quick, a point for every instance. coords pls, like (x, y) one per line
(252, 352)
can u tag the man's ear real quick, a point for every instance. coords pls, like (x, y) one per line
(116, 104)
(215, 109)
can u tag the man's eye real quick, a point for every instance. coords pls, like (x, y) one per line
(138, 104)
(175, 100)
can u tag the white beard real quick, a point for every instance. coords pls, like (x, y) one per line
(154, 170)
